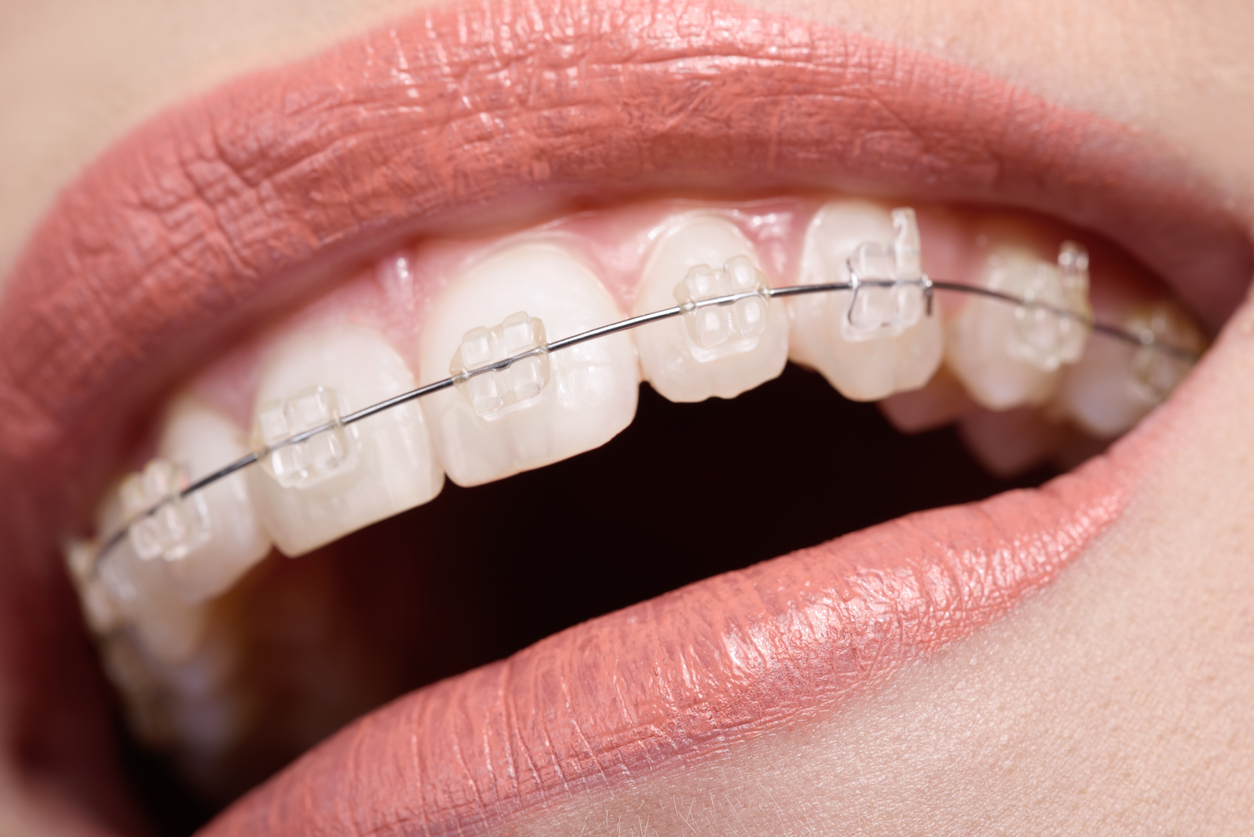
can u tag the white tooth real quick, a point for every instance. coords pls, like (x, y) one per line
(348, 477)
(221, 536)
(889, 344)
(1009, 356)
(1114, 385)
(498, 424)
(720, 351)
(144, 597)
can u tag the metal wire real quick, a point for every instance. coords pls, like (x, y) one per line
(924, 283)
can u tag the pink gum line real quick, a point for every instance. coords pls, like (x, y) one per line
(395, 294)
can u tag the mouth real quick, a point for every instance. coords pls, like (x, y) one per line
(347, 221)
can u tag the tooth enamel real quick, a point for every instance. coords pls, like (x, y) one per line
(591, 391)
(177, 526)
(712, 350)
(1156, 373)
(346, 477)
(878, 341)
(143, 596)
(498, 393)
(1007, 355)
(226, 538)
(1114, 385)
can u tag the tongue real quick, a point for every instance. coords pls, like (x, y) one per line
(694, 672)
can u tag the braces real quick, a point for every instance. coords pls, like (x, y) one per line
(1145, 340)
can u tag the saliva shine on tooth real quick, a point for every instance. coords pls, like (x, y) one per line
(177, 526)
(1154, 373)
(500, 392)
(326, 454)
(1043, 337)
(878, 312)
(717, 331)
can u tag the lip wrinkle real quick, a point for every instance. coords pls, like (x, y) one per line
(190, 228)
(685, 676)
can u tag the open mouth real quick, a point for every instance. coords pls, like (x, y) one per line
(465, 185)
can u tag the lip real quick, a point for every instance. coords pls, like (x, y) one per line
(216, 214)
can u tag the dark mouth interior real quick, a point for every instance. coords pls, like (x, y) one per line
(686, 492)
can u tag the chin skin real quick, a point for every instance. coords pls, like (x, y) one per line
(1115, 701)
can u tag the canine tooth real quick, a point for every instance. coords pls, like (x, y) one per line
(1114, 385)
(1009, 355)
(167, 627)
(212, 537)
(344, 477)
(713, 350)
(591, 391)
(878, 341)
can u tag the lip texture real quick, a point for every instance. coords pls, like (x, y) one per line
(683, 676)
(250, 196)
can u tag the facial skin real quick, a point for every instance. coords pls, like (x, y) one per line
(1115, 701)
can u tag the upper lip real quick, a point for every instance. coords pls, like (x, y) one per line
(239, 201)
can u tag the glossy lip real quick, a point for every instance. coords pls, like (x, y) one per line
(256, 194)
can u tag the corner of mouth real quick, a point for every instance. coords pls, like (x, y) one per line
(211, 219)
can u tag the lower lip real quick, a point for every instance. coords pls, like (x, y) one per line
(691, 673)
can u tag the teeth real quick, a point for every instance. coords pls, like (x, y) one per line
(1006, 355)
(877, 341)
(713, 350)
(1114, 385)
(345, 477)
(525, 417)
(211, 538)
(498, 393)
(142, 595)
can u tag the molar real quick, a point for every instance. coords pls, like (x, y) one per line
(590, 391)
(1009, 356)
(347, 477)
(703, 256)
(887, 343)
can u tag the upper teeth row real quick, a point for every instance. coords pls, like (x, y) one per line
(733, 336)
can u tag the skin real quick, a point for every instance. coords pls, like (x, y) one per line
(1117, 700)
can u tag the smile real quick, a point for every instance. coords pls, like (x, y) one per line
(359, 311)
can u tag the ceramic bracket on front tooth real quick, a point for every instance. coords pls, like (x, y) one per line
(162, 522)
(494, 393)
(325, 454)
(1045, 336)
(717, 331)
(887, 310)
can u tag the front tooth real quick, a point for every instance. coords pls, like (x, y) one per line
(346, 477)
(710, 351)
(547, 408)
(212, 537)
(882, 340)
(1009, 355)
(1115, 384)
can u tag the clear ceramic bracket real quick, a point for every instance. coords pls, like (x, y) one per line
(1052, 323)
(718, 331)
(312, 436)
(492, 387)
(1155, 374)
(890, 292)
(302, 440)
(163, 523)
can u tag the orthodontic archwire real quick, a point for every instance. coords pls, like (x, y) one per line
(1025, 306)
